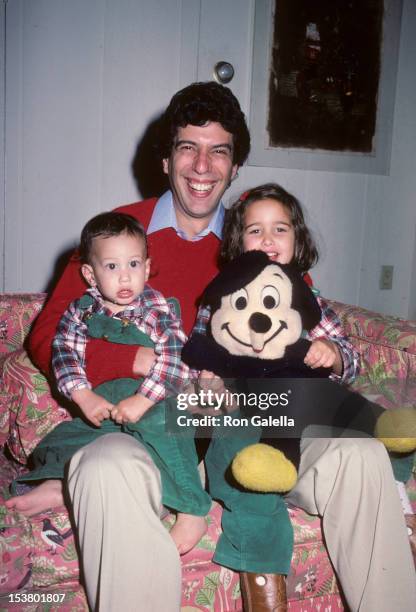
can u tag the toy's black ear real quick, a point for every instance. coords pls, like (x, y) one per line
(235, 275)
(303, 299)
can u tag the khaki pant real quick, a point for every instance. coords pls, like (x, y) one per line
(130, 562)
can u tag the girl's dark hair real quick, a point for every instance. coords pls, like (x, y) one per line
(197, 104)
(306, 254)
(109, 224)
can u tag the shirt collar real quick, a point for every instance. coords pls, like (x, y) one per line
(164, 216)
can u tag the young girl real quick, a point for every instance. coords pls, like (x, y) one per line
(268, 218)
(257, 537)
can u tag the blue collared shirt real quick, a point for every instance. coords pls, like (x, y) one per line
(164, 216)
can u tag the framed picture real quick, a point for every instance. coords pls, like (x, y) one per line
(323, 84)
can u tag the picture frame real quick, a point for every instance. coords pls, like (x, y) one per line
(303, 148)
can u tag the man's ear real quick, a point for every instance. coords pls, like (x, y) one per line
(88, 274)
(234, 171)
(147, 269)
(165, 165)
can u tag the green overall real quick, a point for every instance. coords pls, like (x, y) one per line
(257, 532)
(174, 455)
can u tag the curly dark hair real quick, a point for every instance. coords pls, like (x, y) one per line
(195, 105)
(306, 253)
(109, 224)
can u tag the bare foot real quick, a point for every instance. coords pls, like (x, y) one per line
(187, 531)
(47, 495)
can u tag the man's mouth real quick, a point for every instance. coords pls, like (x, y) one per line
(202, 188)
(257, 347)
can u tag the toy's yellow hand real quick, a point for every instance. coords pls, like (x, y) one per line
(396, 429)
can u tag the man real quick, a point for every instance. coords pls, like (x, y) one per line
(128, 557)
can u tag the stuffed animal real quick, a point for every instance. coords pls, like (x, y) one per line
(259, 313)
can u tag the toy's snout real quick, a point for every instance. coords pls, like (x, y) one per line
(259, 322)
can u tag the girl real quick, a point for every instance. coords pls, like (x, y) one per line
(257, 537)
(270, 219)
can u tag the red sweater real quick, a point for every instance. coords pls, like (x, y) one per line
(180, 268)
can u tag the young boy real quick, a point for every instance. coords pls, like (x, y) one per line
(120, 307)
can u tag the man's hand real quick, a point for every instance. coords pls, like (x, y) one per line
(144, 360)
(94, 407)
(131, 409)
(324, 354)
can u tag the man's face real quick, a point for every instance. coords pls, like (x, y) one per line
(200, 168)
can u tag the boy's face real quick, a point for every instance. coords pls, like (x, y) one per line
(200, 168)
(118, 268)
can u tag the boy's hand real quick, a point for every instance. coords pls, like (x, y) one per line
(131, 409)
(324, 354)
(94, 407)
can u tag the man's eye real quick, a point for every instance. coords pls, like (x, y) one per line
(221, 151)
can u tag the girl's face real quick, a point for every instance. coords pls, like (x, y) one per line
(268, 228)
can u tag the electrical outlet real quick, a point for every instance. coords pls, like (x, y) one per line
(386, 277)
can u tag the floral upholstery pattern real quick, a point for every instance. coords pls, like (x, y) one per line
(28, 412)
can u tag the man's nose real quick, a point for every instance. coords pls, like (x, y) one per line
(202, 162)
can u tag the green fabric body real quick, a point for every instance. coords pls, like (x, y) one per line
(402, 466)
(174, 455)
(257, 533)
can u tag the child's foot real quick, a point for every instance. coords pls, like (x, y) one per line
(48, 494)
(187, 531)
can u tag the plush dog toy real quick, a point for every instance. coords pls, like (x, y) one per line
(259, 313)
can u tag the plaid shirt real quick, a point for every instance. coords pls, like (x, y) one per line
(329, 327)
(152, 315)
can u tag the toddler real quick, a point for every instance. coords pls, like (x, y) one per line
(120, 307)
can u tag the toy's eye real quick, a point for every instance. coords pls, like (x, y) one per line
(239, 299)
(270, 297)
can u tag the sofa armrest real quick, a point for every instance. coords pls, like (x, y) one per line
(17, 313)
(387, 346)
(383, 330)
(27, 409)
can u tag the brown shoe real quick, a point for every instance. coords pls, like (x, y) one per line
(411, 528)
(263, 592)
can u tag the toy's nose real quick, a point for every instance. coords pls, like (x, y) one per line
(259, 322)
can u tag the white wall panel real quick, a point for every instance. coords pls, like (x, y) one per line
(84, 79)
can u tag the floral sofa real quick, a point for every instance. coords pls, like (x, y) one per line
(36, 576)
